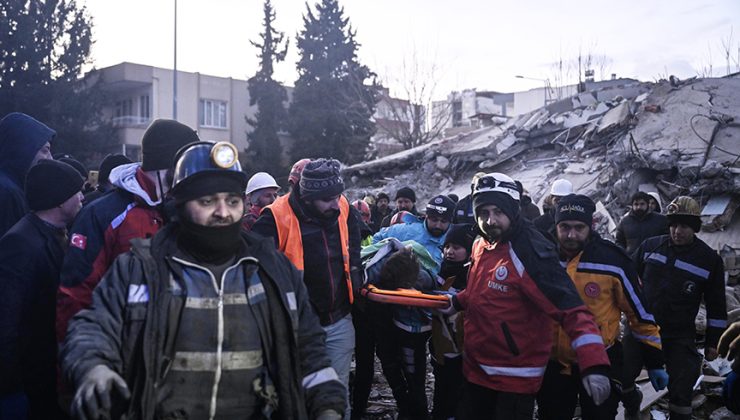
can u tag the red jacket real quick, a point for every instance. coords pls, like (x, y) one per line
(515, 289)
(102, 231)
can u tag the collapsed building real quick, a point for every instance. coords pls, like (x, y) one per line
(674, 137)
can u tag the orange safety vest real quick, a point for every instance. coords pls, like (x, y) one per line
(290, 241)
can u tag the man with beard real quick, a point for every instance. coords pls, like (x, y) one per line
(516, 288)
(203, 320)
(678, 272)
(430, 233)
(607, 282)
(380, 211)
(405, 201)
(640, 224)
(318, 230)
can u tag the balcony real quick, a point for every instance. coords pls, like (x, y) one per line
(130, 121)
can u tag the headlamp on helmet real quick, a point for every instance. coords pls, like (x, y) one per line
(224, 155)
(496, 182)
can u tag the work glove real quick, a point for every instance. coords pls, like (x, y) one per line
(598, 387)
(450, 310)
(658, 378)
(329, 415)
(729, 345)
(93, 397)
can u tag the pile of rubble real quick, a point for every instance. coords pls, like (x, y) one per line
(672, 137)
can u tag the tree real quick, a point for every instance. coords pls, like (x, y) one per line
(44, 45)
(335, 96)
(269, 95)
(408, 117)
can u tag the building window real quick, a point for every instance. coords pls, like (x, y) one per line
(144, 111)
(212, 113)
(125, 108)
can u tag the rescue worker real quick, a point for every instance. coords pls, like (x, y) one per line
(678, 271)
(546, 223)
(464, 208)
(654, 202)
(366, 232)
(431, 233)
(640, 223)
(295, 173)
(316, 229)
(405, 201)
(23, 142)
(729, 346)
(262, 190)
(105, 228)
(607, 282)
(31, 253)
(203, 320)
(516, 287)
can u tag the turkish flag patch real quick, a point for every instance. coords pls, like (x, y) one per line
(78, 241)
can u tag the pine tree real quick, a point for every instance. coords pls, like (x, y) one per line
(44, 45)
(264, 144)
(334, 97)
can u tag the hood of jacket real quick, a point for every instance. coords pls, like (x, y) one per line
(21, 136)
(124, 177)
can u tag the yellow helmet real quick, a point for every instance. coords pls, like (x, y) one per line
(683, 206)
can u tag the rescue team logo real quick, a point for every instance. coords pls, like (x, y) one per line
(502, 273)
(78, 241)
(592, 289)
(689, 287)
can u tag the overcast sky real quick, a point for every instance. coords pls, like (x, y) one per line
(479, 44)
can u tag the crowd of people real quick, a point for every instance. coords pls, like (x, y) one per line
(179, 287)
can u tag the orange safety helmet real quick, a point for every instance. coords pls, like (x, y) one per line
(296, 170)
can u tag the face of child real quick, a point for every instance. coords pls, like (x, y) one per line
(455, 253)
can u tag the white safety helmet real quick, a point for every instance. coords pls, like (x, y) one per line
(496, 182)
(259, 181)
(561, 188)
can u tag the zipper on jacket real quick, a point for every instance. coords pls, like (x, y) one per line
(509, 339)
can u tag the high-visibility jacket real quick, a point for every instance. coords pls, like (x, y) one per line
(290, 241)
(607, 282)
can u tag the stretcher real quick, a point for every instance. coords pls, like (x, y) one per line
(405, 297)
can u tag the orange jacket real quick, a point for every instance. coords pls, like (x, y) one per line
(289, 234)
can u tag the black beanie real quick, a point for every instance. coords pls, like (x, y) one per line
(79, 167)
(161, 142)
(107, 165)
(503, 201)
(694, 222)
(575, 207)
(442, 206)
(321, 179)
(406, 192)
(209, 182)
(50, 183)
(461, 234)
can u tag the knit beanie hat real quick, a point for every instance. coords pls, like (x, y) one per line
(461, 234)
(321, 179)
(161, 142)
(107, 165)
(406, 192)
(575, 207)
(79, 167)
(50, 183)
(497, 189)
(441, 205)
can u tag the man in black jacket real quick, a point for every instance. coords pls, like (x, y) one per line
(204, 320)
(318, 230)
(640, 223)
(31, 255)
(679, 271)
(23, 142)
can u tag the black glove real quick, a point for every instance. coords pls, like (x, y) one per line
(93, 397)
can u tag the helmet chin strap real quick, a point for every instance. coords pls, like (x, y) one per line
(160, 186)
